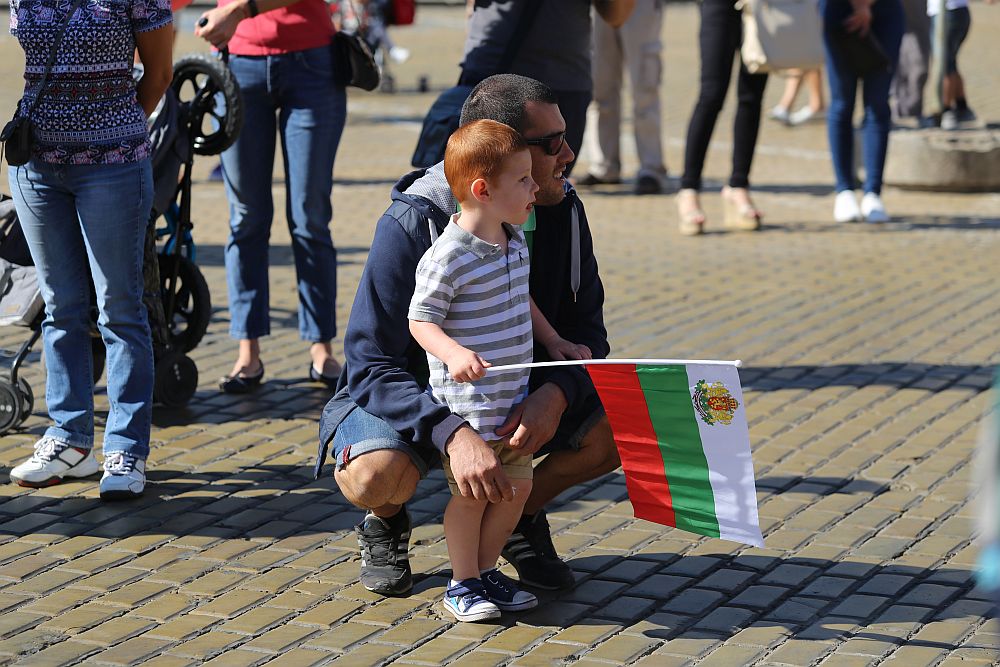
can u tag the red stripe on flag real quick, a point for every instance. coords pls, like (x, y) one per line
(625, 404)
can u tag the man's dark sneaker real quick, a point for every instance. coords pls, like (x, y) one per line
(648, 185)
(385, 563)
(529, 549)
(590, 180)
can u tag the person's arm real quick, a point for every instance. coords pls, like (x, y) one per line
(379, 352)
(585, 323)
(217, 26)
(558, 347)
(156, 55)
(463, 364)
(614, 12)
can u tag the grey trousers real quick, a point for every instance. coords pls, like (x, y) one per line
(634, 47)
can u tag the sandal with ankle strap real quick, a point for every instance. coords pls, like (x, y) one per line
(692, 221)
(743, 217)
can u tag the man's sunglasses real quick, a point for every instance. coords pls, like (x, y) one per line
(550, 144)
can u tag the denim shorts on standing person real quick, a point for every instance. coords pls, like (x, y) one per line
(294, 94)
(888, 25)
(88, 222)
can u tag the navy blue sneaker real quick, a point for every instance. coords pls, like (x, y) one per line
(504, 593)
(467, 601)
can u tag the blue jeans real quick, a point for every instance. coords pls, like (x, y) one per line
(888, 24)
(83, 223)
(293, 94)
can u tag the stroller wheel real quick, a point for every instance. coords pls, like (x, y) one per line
(192, 303)
(27, 400)
(175, 381)
(10, 407)
(205, 84)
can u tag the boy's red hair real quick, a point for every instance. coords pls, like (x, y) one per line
(478, 150)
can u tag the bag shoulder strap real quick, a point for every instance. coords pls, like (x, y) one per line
(52, 56)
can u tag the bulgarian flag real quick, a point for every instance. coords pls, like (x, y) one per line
(682, 434)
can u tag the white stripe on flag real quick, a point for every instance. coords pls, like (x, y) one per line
(730, 466)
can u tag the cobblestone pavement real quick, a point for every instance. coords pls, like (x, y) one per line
(867, 354)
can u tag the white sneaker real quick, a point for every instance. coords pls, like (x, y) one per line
(52, 461)
(124, 477)
(873, 209)
(399, 54)
(804, 115)
(845, 207)
(778, 113)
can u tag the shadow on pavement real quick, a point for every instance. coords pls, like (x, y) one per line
(912, 375)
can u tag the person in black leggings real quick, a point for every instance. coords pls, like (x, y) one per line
(719, 39)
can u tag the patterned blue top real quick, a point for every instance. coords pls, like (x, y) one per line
(89, 113)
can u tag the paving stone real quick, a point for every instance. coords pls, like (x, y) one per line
(375, 654)
(437, 651)
(63, 653)
(208, 645)
(131, 651)
(281, 638)
(345, 635)
(75, 621)
(413, 632)
(544, 654)
(182, 627)
(513, 640)
(799, 652)
(622, 649)
(114, 630)
(693, 601)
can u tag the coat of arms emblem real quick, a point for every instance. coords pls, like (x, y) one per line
(713, 403)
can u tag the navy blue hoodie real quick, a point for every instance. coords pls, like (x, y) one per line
(385, 370)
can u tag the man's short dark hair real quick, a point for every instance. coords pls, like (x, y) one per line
(502, 98)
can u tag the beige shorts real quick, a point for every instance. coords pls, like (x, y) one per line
(515, 464)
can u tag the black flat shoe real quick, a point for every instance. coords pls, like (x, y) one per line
(329, 380)
(242, 384)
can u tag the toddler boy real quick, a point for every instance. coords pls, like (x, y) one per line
(471, 310)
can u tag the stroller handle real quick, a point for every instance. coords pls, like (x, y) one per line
(224, 51)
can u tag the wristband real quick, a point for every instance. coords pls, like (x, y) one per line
(252, 9)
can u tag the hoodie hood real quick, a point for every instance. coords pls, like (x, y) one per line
(427, 191)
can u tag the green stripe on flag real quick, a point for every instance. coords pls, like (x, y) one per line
(676, 424)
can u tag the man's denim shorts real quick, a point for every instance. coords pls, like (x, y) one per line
(361, 432)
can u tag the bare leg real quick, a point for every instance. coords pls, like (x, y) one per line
(561, 470)
(814, 83)
(462, 521)
(498, 523)
(793, 81)
(379, 481)
(248, 358)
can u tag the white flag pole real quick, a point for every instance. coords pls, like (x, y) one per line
(584, 362)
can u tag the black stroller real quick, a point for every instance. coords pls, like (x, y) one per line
(201, 113)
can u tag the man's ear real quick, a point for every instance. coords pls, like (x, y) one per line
(480, 189)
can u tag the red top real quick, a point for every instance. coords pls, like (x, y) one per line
(304, 25)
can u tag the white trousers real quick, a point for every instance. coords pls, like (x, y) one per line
(636, 47)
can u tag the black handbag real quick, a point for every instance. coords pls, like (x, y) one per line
(13, 245)
(18, 135)
(862, 53)
(445, 114)
(18, 138)
(353, 62)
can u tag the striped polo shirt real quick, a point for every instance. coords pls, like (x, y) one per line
(479, 296)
